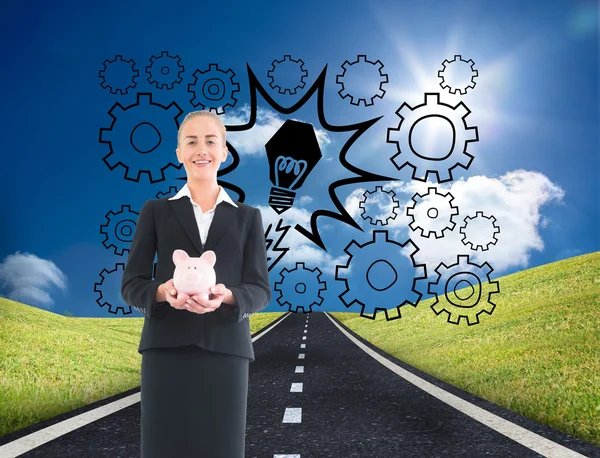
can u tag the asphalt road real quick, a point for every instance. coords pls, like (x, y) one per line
(318, 390)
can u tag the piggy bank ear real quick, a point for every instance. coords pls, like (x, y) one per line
(180, 256)
(210, 257)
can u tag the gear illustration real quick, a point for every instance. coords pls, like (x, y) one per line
(301, 293)
(479, 232)
(109, 283)
(171, 192)
(381, 199)
(135, 138)
(378, 278)
(461, 285)
(298, 70)
(423, 165)
(118, 75)
(382, 79)
(165, 71)
(119, 229)
(426, 209)
(213, 89)
(448, 78)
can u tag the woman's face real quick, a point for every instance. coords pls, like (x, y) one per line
(201, 148)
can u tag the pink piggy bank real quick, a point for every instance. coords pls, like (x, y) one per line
(194, 276)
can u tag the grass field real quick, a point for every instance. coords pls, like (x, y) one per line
(538, 354)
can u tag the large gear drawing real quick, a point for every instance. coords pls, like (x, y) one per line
(468, 277)
(369, 296)
(343, 92)
(429, 204)
(422, 165)
(376, 195)
(442, 74)
(492, 221)
(287, 59)
(130, 133)
(118, 69)
(213, 89)
(301, 295)
(170, 193)
(165, 71)
(113, 278)
(119, 229)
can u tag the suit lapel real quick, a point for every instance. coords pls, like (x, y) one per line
(223, 219)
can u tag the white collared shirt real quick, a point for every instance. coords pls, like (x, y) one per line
(204, 219)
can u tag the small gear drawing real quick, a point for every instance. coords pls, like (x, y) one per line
(429, 205)
(165, 71)
(287, 61)
(373, 285)
(385, 200)
(137, 144)
(118, 75)
(461, 284)
(452, 63)
(422, 165)
(213, 89)
(171, 192)
(300, 293)
(111, 281)
(343, 92)
(119, 229)
(480, 245)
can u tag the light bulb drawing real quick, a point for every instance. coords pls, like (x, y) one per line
(293, 152)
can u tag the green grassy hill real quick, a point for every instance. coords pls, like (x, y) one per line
(538, 354)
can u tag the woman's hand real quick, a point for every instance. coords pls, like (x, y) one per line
(171, 296)
(196, 304)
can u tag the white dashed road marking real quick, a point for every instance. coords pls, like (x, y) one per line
(292, 415)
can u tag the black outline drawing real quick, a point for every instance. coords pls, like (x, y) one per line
(440, 167)
(227, 87)
(103, 76)
(347, 65)
(98, 289)
(353, 249)
(112, 230)
(469, 312)
(170, 193)
(463, 229)
(395, 202)
(418, 197)
(288, 275)
(128, 152)
(444, 84)
(174, 69)
(358, 128)
(275, 248)
(303, 74)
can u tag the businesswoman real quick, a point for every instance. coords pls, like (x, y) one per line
(196, 352)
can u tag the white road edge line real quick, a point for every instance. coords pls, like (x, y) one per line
(34, 440)
(529, 439)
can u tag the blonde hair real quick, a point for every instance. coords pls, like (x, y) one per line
(210, 114)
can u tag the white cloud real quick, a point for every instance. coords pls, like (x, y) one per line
(251, 142)
(26, 278)
(304, 200)
(514, 199)
(300, 249)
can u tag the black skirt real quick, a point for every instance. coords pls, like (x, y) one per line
(193, 403)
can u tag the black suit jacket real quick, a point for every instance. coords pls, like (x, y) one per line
(236, 235)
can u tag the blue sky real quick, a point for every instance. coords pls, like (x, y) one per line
(534, 105)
